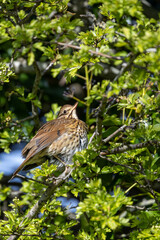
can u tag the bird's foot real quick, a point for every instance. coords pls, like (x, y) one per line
(62, 176)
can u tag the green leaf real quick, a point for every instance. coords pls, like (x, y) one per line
(31, 58)
(156, 127)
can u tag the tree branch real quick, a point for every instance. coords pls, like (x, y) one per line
(125, 67)
(121, 129)
(41, 202)
(101, 109)
(31, 179)
(32, 11)
(150, 189)
(18, 122)
(28, 235)
(90, 51)
(99, 118)
(50, 65)
(130, 147)
(122, 165)
(11, 20)
(35, 91)
(37, 78)
(115, 133)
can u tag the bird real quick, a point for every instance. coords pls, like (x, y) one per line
(57, 141)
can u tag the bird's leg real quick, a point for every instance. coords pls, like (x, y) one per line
(66, 166)
(64, 175)
(64, 172)
(60, 160)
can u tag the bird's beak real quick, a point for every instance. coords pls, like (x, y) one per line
(74, 106)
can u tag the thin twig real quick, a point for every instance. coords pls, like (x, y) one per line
(121, 129)
(26, 235)
(12, 58)
(32, 11)
(91, 138)
(99, 118)
(149, 188)
(11, 20)
(47, 68)
(31, 179)
(115, 133)
(125, 67)
(48, 194)
(90, 51)
(50, 65)
(70, 94)
(35, 91)
(130, 147)
(37, 78)
(152, 192)
(18, 122)
(120, 164)
(136, 207)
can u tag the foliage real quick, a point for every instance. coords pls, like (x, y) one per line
(114, 52)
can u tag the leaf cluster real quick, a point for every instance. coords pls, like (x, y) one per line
(115, 56)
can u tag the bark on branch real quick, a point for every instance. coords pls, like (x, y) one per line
(115, 133)
(41, 202)
(130, 147)
(90, 51)
(35, 91)
(99, 119)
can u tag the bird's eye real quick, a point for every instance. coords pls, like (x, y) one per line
(64, 111)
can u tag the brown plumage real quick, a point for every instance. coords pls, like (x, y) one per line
(57, 139)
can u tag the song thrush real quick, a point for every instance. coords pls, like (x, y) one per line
(57, 140)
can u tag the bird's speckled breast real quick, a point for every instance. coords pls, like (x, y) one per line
(73, 141)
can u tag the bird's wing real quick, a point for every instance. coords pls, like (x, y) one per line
(46, 135)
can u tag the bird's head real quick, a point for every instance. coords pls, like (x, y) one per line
(68, 112)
